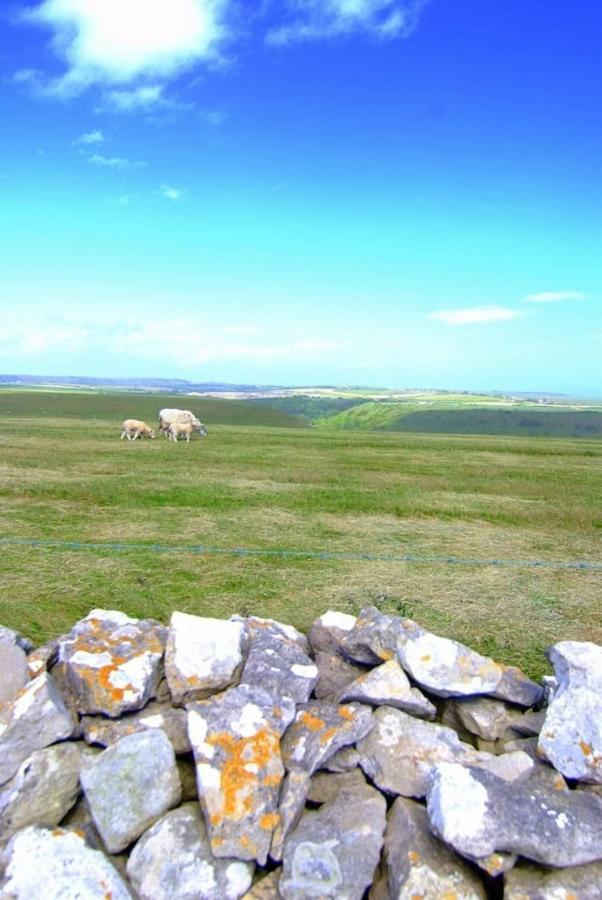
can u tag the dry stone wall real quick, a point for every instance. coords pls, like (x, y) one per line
(228, 759)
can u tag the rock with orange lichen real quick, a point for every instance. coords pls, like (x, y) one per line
(418, 865)
(131, 785)
(571, 736)
(203, 656)
(36, 718)
(278, 660)
(447, 668)
(173, 861)
(235, 737)
(388, 685)
(400, 751)
(103, 731)
(57, 864)
(329, 630)
(478, 814)
(320, 729)
(575, 883)
(334, 851)
(292, 803)
(113, 664)
(42, 791)
(374, 637)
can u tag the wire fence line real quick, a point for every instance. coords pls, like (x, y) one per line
(201, 550)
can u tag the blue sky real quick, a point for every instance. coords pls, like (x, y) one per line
(377, 192)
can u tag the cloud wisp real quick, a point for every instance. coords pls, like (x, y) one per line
(90, 137)
(114, 162)
(116, 43)
(476, 315)
(171, 193)
(185, 342)
(554, 296)
(317, 19)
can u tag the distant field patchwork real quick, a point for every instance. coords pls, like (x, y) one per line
(68, 477)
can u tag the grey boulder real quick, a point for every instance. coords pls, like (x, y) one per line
(13, 670)
(103, 731)
(57, 865)
(278, 660)
(334, 851)
(173, 861)
(36, 718)
(418, 865)
(131, 785)
(575, 883)
(571, 736)
(478, 814)
(43, 790)
(388, 685)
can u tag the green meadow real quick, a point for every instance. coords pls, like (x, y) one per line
(262, 481)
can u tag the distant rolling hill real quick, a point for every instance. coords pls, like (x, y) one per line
(120, 405)
(530, 421)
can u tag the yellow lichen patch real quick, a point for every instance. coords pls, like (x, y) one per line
(314, 723)
(449, 895)
(586, 749)
(425, 658)
(272, 780)
(413, 857)
(385, 655)
(559, 783)
(238, 784)
(328, 735)
(346, 712)
(269, 821)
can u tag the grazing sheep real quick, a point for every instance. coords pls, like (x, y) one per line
(180, 428)
(134, 428)
(167, 416)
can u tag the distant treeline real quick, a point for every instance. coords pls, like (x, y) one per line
(530, 423)
(308, 408)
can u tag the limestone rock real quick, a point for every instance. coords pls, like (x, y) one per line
(320, 729)
(100, 730)
(15, 637)
(325, 786)
(111, 662)
(334, 851)
(400, 752)
(334, 674)
(328, 631)
(447, 668)
(44, 657)
(266, 888)
(388, 685)
(485, 717)
(13, 670)
(479, 814)
(57, 865)
(575, 883)
(42, 791)
(418, 865)
(571, 736)
(203, 656)
(173, 861)
(36, 718)
(343, 760)
(374, 637)
(236, 743)
(278, 660)
(130, 785)
(292, 803)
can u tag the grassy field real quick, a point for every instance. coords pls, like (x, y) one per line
(246, 486)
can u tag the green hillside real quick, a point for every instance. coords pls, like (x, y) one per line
(119, 405)
(527, 420)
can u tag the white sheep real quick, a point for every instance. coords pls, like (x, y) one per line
(180, 428)
(167, 416)
(134, 428)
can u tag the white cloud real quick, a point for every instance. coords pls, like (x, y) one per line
(114, 162)
(143, 97)
(91, 137)
(554, 296)
(124, 42)
(186, 342)
(476, 314)
(170, 193)
(314, 19)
